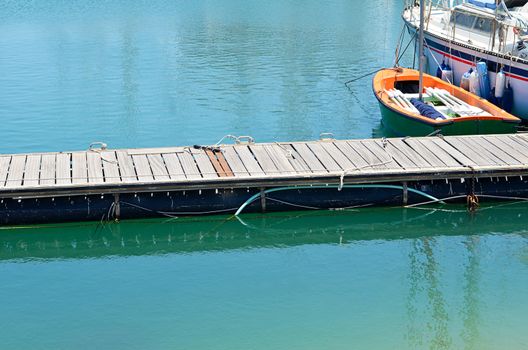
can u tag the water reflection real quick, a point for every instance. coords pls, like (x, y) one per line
(217, 233)
(438, 254)
(470, 311)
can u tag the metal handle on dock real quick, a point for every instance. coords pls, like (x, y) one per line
(244, 139)
(326, 136)
(102, 146)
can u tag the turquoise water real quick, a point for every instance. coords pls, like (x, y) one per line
(343, 280)
(158, 73)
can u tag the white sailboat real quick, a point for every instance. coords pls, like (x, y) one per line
(416, 104)
(461, 34)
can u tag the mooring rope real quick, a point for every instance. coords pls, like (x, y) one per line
(277, 189)
(173, 214)
(436, 61)
(513, 198)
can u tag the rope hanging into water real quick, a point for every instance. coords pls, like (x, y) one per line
(363, 76)
(377, 70)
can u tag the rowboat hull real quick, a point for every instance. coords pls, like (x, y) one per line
(400, 125)
(400, 122)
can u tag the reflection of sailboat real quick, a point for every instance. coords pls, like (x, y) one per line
(470, 311)
(431, 327)
(437, 302)
(130, 238)
(425, 273)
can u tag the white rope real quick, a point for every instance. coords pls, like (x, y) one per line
(464, 196)
(348, 171)
(434, 58)
(171, 214)
(293, 204)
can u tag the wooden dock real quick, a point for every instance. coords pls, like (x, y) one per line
(60, 186)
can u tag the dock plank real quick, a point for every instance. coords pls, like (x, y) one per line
(47, 169)
(324, 157)
(234, 161)
(495, 150)
(309, 158)
(79, 168)
(205, 166)
(412, 155)
(512, 140)
(32, 170)
(158, 150)
(509, 146)
(159, 170)
(142, 166)
(227, 172)
(279, 158)
(388, 153)
(63, 169)
(216, 163)
(4, 169)
(484, 150)
(174, 167)
(189, 165)
(352, 155)
(264, 160)
(249, 161)
(377, 160)
(432, 148)
(452, 151)
(95, 167)
(431, 158)
(520, 136)
(342, 161)
(520, 140)
(126, 167)
(295, 159)
(468, 152)
(16, 171)
(110, 167)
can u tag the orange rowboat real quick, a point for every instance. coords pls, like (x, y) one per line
(445, 108)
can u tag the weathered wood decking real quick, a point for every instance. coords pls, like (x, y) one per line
(324, 174)
(268, 164)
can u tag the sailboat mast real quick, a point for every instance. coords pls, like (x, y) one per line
(421, 49)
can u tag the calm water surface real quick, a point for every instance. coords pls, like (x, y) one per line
(158, 73)
(369, 279)
(153, 73)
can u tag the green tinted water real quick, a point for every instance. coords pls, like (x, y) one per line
(159, 73)
(375, 278)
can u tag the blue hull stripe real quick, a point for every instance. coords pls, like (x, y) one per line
(493, 66)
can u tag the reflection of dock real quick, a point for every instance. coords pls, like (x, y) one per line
(102, 183)
(182, 236)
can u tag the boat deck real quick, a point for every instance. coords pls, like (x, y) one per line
(268, 164)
